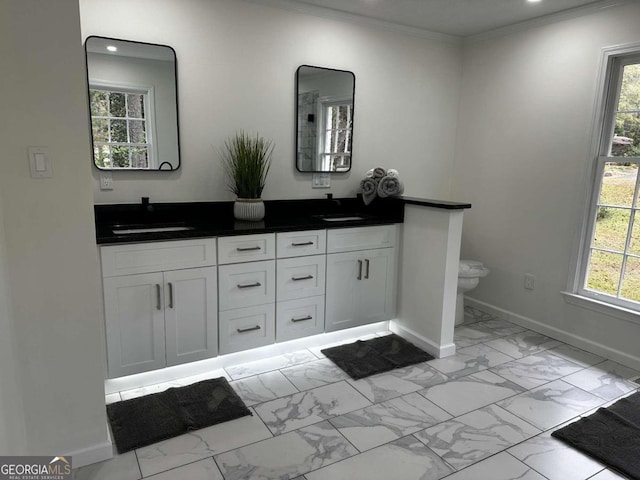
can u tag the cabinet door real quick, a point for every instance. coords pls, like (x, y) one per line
(134, 317)
(191, 314)
(342, 292)
(376, 289)
(360, 288)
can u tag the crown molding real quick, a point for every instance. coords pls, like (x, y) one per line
(332, 14)
(576, 12)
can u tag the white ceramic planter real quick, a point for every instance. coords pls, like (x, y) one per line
(248, 209)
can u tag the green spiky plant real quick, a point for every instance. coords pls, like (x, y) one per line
(246, 162)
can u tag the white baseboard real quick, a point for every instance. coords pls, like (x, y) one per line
(631, 361)
(438, 351)
(92, 454)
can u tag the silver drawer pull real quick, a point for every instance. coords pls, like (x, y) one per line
(170, 295)
(359, 269)
(301, 244)
(366, 263)
(302, 319)
(158, 297)
(250, 329)
(250, 285)
(248, 249)
(296, 279)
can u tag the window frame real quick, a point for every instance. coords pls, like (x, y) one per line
(614, 59)
(149, 107)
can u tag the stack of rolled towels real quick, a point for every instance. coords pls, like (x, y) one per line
(382, 183)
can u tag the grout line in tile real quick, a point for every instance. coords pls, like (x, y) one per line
(178, 466)
(524, 463)
(135, 453)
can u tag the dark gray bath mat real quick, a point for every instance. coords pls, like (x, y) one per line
(145, 420)
(381, 354)
(611, 435)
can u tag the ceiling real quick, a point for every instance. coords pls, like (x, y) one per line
(461, 18)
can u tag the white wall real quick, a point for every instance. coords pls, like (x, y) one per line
(49, 237)
(12, 422)
(523, 161)
(236, 70)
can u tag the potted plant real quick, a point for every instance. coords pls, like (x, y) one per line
(246, 162)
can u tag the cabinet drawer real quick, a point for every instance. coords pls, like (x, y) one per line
(246, 284)
(361, 238)
(158, 256)
(246, 248)
(245, 328)
(299, 318)
(300, 277)
(298, 244)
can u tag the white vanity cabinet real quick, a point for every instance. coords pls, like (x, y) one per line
(160, 304)
(301, 268)
(247, 291)
(360, 276)
(173, 302)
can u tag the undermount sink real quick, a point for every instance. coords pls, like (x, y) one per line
(340, 217)
(132, 230)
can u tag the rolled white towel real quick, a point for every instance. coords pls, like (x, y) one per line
(378, 173)
(390, 187)
(369, 188)
(392, 172)
(369, 174)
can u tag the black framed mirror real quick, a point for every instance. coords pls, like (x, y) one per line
(133, 105)
(324, 119)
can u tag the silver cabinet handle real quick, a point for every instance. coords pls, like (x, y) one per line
(301, 244)
(359, 269)
(296, 279)
(170, 295)
(302, 319)
(250, 329)
(250, 285)
(366, 267)
(248, 249)
(158, 295)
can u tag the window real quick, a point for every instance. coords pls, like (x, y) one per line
(120, 119)
(611, 262)
(337, 123)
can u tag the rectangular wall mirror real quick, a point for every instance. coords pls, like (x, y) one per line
(133, 105)
(324, 119)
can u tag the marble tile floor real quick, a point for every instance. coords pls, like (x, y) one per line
(486, 413)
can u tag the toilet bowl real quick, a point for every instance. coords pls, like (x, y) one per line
(469, 274)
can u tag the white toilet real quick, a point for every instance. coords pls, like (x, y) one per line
(469, 274)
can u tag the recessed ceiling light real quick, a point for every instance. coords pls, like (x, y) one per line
(533, 1)
(111, 48)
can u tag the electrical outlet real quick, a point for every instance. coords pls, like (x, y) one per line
(106, 181)
(321, 180)
(529, 281)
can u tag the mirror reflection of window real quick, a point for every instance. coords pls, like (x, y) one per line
(120, 126)
(336, 134)
(324, 119)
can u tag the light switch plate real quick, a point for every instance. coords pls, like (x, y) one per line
(40, 163)
(321, 180)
